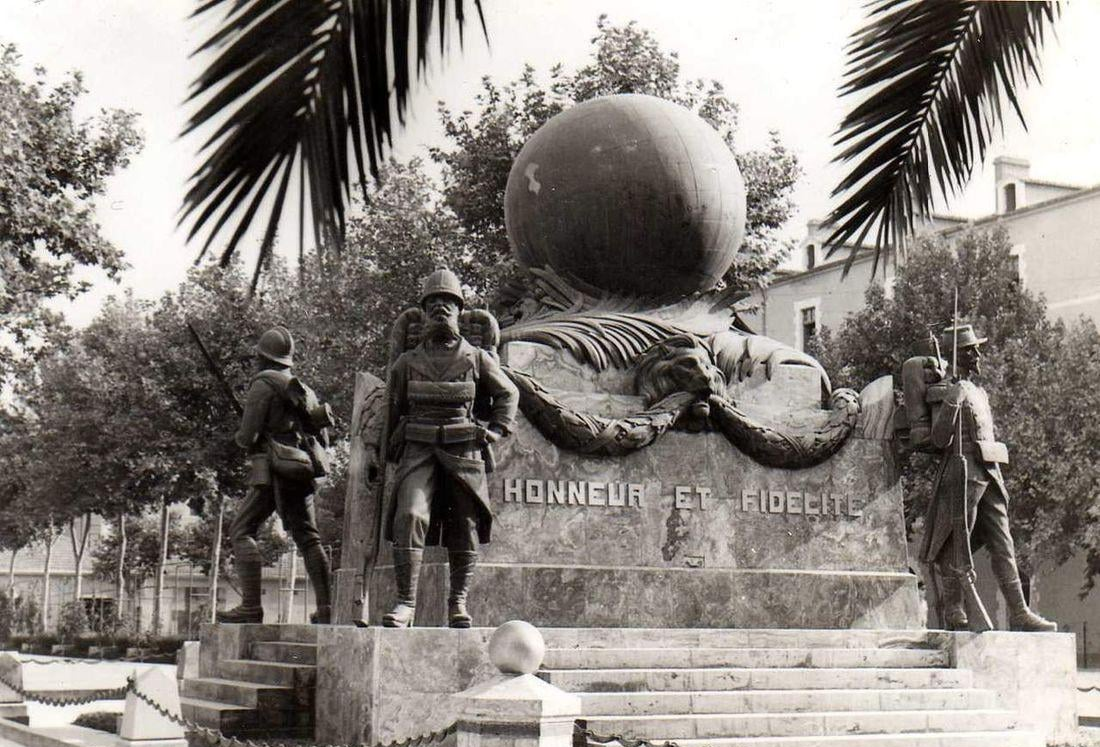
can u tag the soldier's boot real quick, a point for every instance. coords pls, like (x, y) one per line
(250, 610)
(406, 571)
(462, 564)
(316, 562)
(954, 610)
(1020, 616)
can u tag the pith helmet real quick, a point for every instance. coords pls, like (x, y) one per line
(277, 346)
(444, 282)
(967, 338)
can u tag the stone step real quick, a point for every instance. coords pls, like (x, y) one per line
(928, 739)
(629, 680)
(214, 715)
(237, 721)
(268, 672)
(824, 723)
(294, 633)
(784, 701)
(286, 653)
(249, 694)
(557, 638)
(652, 658)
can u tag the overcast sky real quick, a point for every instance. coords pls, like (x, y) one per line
(780, 60)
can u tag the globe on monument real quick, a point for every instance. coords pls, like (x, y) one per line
(628, 194)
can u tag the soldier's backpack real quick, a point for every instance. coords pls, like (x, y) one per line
(919, 377)
(308, 458)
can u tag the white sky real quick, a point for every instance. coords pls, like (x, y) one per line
(780, 60)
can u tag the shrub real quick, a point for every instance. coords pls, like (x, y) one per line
(101, 720)
(72, 622)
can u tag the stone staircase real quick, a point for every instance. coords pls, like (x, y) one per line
(267, 693)
(773, 688)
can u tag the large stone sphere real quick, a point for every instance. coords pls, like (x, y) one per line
(517, 647)
(630, 194)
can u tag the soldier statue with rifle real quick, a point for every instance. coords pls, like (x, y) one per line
(448, 402)
(284, 429)
(969, 506)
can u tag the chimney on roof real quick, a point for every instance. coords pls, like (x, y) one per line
(1009, 176)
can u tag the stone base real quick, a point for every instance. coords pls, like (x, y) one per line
(565, 596)
(381, 684)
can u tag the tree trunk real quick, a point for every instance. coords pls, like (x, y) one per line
(216, 561)
(120, 575)
(158, 587)
(11, 574)
(45, 612)
(79, 546)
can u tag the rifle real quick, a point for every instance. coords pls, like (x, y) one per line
(213, 368)
(955, 480)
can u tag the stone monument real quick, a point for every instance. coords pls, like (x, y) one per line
(670, 468)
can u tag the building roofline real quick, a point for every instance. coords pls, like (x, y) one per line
(1027, 209)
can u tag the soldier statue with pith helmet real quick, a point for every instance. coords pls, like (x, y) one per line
(448, 402)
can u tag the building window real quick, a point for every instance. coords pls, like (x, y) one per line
(1019, 266)
(809, 324)
(811, 257)
(1010, 197)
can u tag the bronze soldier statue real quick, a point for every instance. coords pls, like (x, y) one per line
(284, 429)
(972, 511)
(435, 391)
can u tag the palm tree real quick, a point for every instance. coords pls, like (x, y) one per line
(931, 77)
(295, 81)
(299, 91)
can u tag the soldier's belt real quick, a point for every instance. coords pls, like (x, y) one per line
(441, 392)
(447, 433)
(990, 452)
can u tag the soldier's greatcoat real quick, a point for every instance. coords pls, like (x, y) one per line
(432, 392)
(983, 455)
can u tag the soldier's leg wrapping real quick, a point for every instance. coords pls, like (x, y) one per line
(992, 530)
(258, 505)
(412, 517)
(300, 520)
(954, 609)
(460, 534)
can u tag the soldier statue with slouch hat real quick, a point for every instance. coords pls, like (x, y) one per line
(969, 506)
(448, 402)
(284, 429)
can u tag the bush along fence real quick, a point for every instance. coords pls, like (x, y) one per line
(512, 709)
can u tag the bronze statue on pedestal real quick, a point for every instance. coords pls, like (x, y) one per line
(437, 391)
(969, 506)
(284, 428)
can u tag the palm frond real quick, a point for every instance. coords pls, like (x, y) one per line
(600, 339)
(301, 86)
(933, 76)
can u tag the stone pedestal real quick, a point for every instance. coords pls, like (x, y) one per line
(12, 705)
(688, 532)
(1033, 674)
(144, 726)
(516, 711)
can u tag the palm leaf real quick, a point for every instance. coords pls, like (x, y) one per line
(933, 76)
(300, 86)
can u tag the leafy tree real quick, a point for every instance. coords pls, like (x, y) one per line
(1032, 368)
(52, 167)
(142, 556)
(625, 59)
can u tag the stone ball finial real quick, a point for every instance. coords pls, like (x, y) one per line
(517, 647)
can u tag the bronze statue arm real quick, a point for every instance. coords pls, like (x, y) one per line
(255, 412)
(503, 393)
(396, 385)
